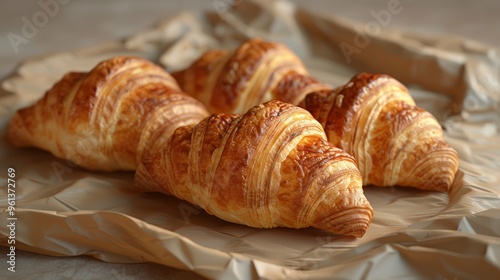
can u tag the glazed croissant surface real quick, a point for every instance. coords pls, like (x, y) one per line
(271, 167)
(104, 119)
(373, 117)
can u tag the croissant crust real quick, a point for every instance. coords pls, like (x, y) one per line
(97, 119)
(271, 167)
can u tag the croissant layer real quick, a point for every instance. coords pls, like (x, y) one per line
(271, 167)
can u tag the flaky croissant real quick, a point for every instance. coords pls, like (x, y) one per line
(271, 167)
(104, 119)
(373, 117)
(256, 72)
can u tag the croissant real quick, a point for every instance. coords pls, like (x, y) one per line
(373, 117)
(271, 167)
(256, 72)
(104, 119)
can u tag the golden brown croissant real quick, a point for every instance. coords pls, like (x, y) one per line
(373, 117)
(103, 119)
(271, 167)
(256, 72)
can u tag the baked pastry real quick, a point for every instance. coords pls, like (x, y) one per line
(373, 117)
(103, 119)
(256, 72)
(271, 167)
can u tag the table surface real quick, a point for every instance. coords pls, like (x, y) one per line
(82, 24)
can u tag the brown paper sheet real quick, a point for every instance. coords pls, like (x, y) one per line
(63, 210)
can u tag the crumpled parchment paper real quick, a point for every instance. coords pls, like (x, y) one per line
(63, 210)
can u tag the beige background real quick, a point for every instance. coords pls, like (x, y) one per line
(82, 24)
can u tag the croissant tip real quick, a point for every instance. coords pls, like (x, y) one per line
(438, 174)
(350, 222)
(17, 132)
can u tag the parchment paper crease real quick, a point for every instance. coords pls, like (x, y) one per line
(63, 210)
